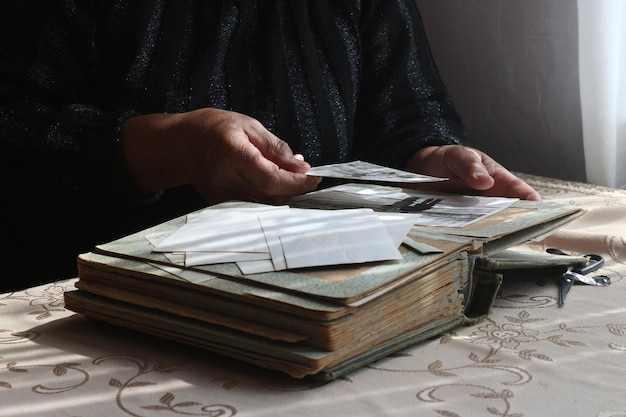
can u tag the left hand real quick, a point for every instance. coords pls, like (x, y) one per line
(469, 170)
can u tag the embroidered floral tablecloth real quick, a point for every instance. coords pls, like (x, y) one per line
(530, 358)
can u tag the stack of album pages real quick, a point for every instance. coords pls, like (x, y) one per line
(335, 280)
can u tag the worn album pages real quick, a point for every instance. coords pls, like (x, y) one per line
(321, 320)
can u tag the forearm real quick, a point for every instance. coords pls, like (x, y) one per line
(152, 152)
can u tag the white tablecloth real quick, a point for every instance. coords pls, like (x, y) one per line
(530, 358)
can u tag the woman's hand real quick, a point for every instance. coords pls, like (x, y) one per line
(223, 154)
(469, 170)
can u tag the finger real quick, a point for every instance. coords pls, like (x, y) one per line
(275, 149)
(525, 192)
(509, 185)
(480, 172)
(471, 167)
(265, 179)
(503, 182)
(506, 183)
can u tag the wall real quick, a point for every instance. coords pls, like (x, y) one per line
(512, 69)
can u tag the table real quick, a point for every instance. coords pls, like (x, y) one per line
(529, 358)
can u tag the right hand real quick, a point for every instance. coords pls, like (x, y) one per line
(223, 154)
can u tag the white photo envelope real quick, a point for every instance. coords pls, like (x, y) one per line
(256, 267)
(221, 230)
(206, 258)
(327, 237)
(264, 239)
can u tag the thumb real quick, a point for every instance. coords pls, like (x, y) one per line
(278, 151)
(470, 166)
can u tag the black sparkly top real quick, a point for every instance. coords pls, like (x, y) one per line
(336, 79)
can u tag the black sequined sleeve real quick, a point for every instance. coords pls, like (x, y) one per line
(403, 104)
(55, 143)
